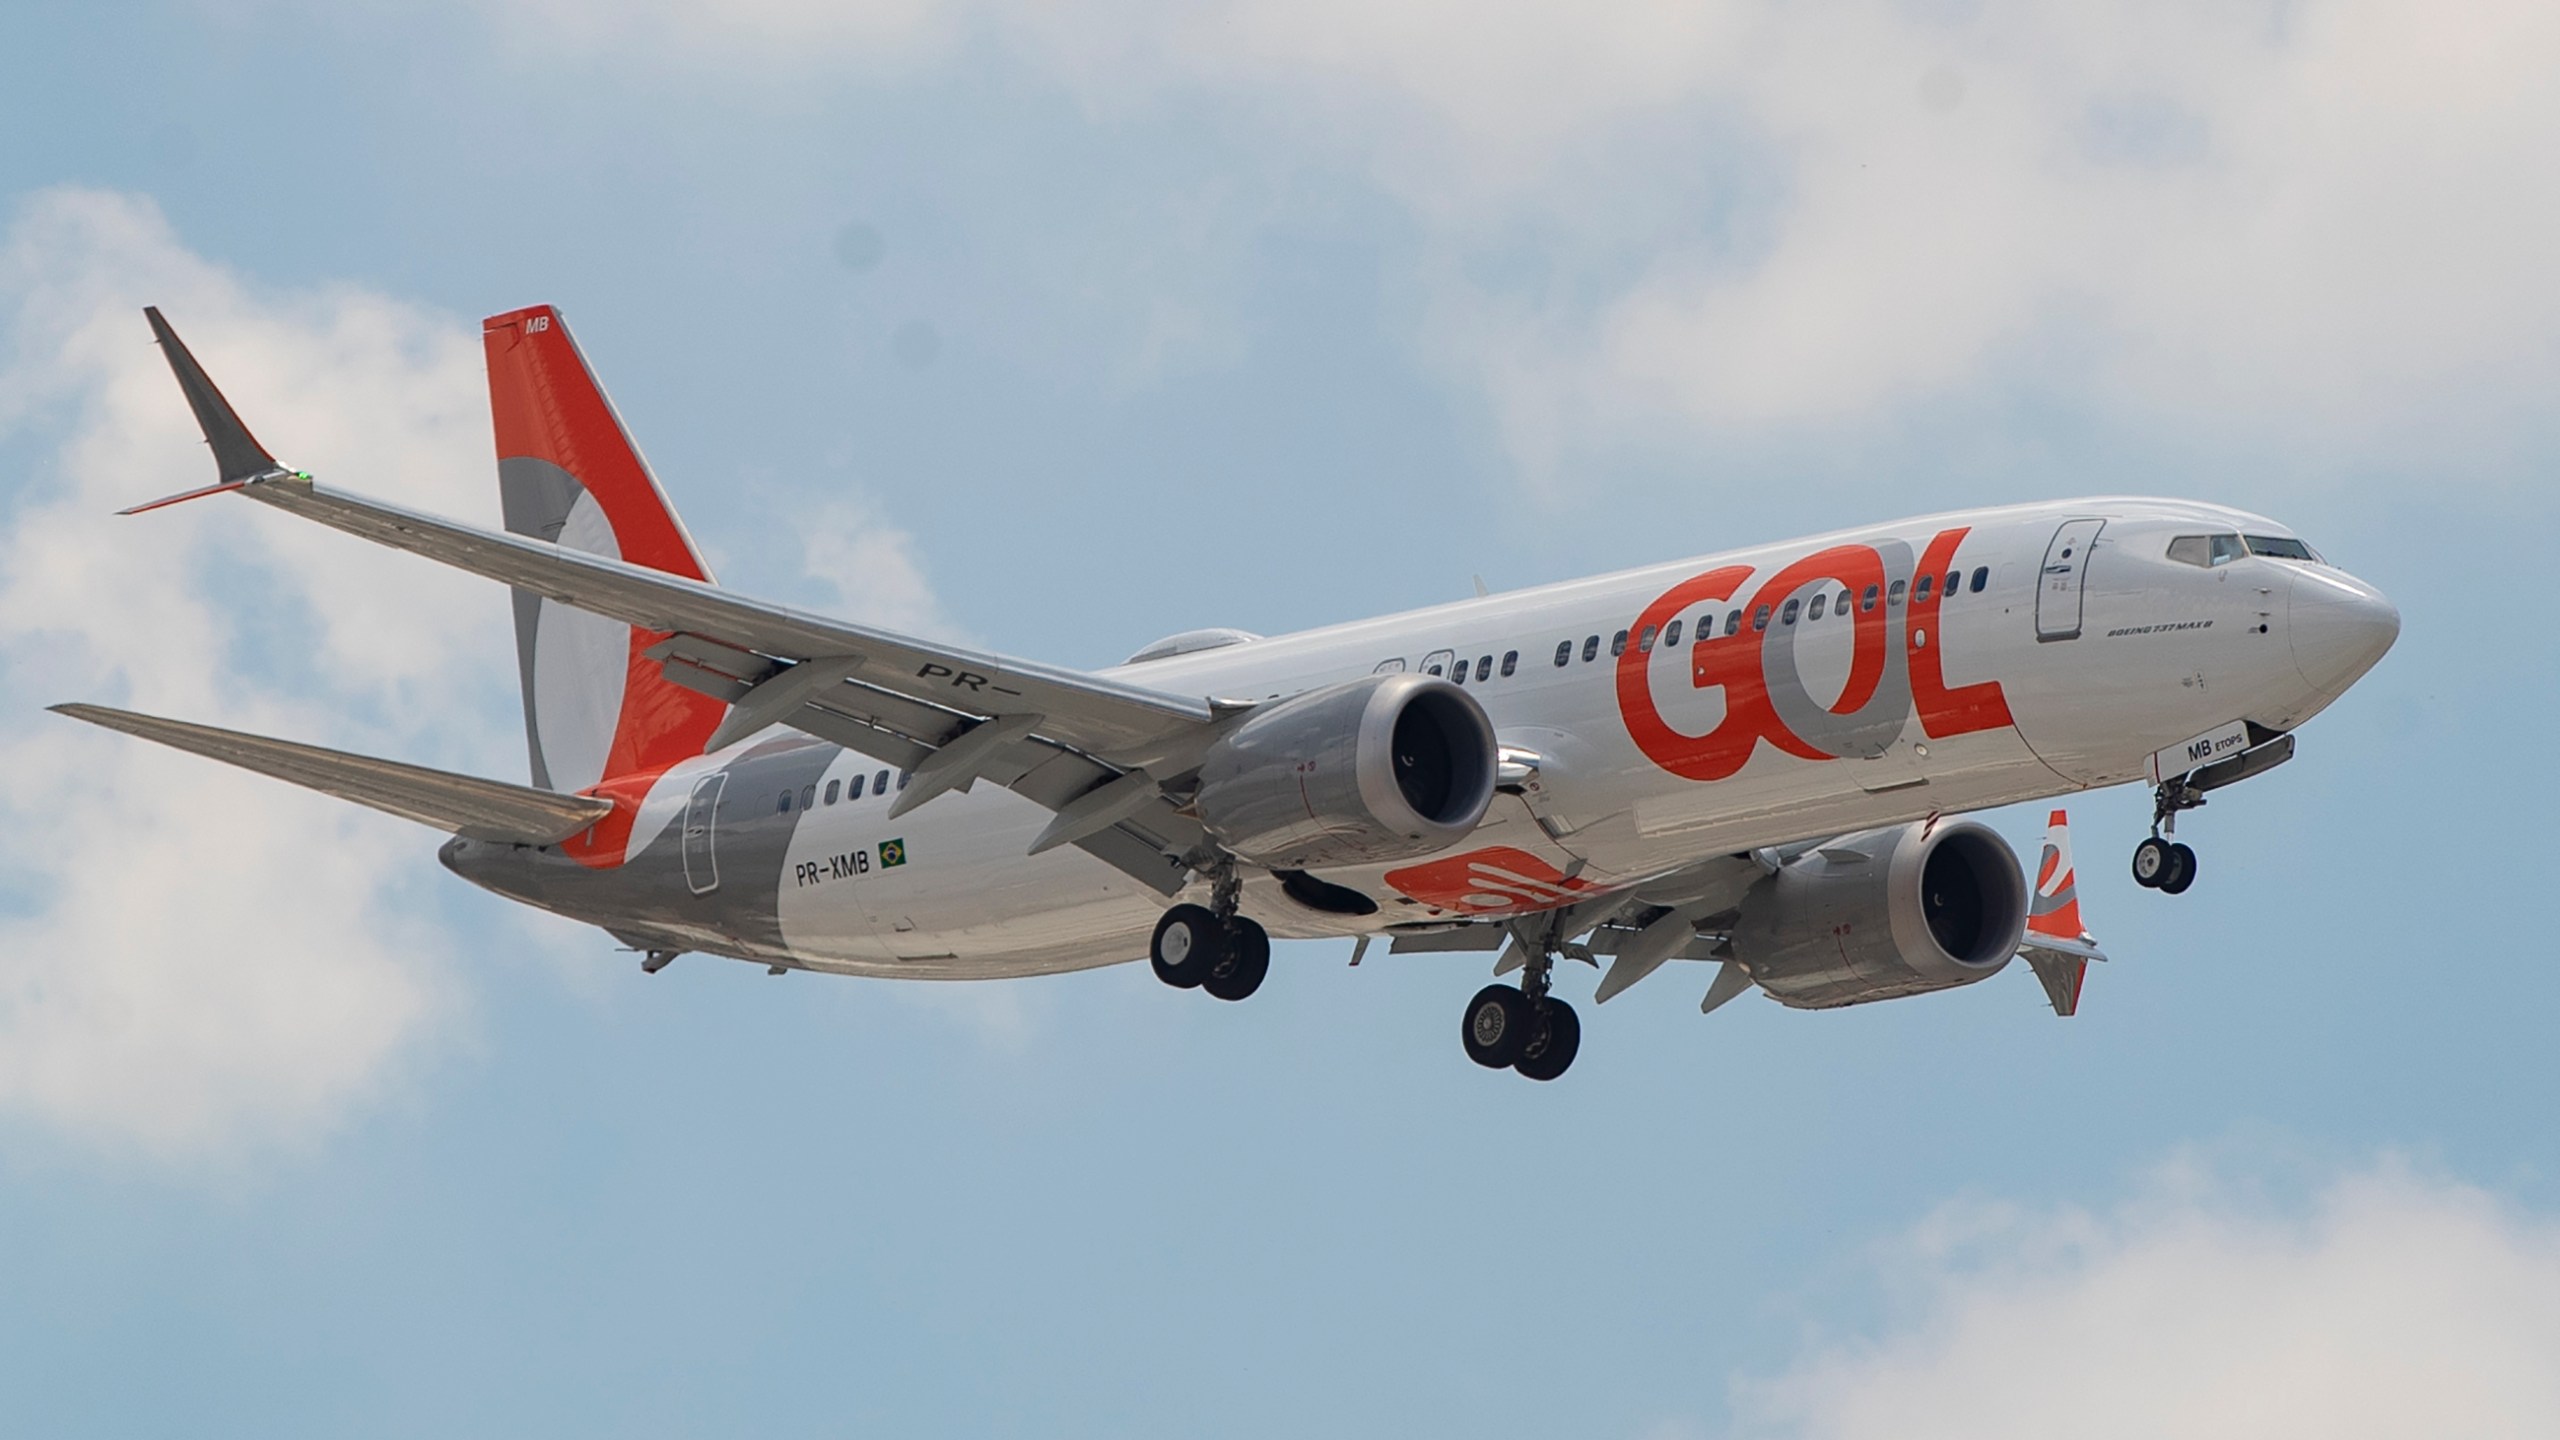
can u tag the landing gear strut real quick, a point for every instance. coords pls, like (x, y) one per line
(2162, 864)
(1527, 1029)
(1212, 947)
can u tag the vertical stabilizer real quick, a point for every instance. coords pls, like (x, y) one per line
(568, 473)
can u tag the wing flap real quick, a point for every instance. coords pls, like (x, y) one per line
(461, 804)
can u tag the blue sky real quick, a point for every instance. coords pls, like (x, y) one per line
(1061, 333)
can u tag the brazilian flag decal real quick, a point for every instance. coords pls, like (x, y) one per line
(892, 853)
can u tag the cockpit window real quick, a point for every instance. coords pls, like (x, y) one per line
(2206, 550)
(2280, 547)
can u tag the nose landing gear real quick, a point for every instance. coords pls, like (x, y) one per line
(1198, 948)
(2162, 864)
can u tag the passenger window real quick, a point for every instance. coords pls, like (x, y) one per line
(1840, 606)
(1671, 637)
(1644, 642)
(880, 783)
(1893, 596)
(1981, 577)
(809, 795)
(1460, 673)
(903, 777)
(1760, 618)
(2193, 550)
(1390, 667)
(783, 806)
(1484, 667)
(1564, 652)
(853, 788)
(1733, 623)
(1867, 599)
(1814, 611)
(1921, 595)
(834, 788)
(1954, 579)
(1590, 649)
(2227, 548)
(1510, 662)
(1618, 643)
(1787, 615)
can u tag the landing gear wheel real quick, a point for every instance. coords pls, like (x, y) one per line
(2152, 860)
(1189, 944)
(2182, 871)
(1247, 959)
(1497, 1027)
(1555, 1035)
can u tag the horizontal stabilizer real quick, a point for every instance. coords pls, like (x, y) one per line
(462, 804)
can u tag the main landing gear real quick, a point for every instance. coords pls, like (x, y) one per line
(1212, 949)
(1528, 1029)
(2161, 864)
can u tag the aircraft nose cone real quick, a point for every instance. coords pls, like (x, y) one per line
(2339, 626)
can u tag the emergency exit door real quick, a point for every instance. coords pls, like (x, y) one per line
(701, 809)
(2066, 566)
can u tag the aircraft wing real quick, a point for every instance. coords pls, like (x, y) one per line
(1092, 749)
(1095, 715)
(1127, 725)
(462, 804)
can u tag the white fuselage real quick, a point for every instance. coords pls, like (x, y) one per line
(2035, 674)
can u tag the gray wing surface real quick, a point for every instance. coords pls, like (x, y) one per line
(1102, 717)
(900, 699)
(462, 804)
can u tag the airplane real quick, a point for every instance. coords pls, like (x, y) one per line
(1758, 760)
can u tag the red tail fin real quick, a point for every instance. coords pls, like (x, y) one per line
(595, 709)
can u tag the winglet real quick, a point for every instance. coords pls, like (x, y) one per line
(237, 452)
(2056, 947)
(2054, 910)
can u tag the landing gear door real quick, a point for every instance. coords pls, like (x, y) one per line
(701, 863)
(2058, 587)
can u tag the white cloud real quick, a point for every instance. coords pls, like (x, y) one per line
(2392, 1306)
(871, 571)
(194, 957)
(2322, 227)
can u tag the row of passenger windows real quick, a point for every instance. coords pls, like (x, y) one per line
(1459, 668)
(848, 790)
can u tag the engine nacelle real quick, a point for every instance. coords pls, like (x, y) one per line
(1384, 768)
(1885, 913)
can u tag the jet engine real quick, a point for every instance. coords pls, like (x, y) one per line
(1389, 767)
(1884, 913)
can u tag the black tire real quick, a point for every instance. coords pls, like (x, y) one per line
(2151, 862)
(1189, 943)
(1555, 1037)
(1247, 960)
(2182, 871)
(1496, 1026)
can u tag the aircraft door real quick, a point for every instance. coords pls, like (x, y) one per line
(2058, 585)
(701, 809)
